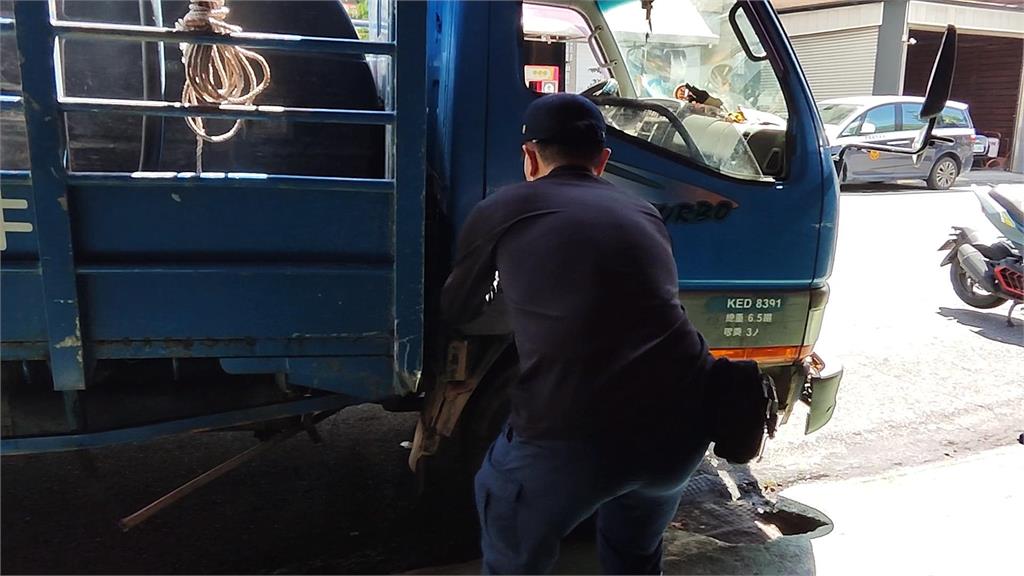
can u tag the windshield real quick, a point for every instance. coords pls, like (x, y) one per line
(691, 42)
(688, 57)
(835, 113)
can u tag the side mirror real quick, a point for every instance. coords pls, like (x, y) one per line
(941, 81)
(868, 128)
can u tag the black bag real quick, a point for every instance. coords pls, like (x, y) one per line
(740, 407)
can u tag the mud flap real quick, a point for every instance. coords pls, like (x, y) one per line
(446, 402)
(824, 387)
(961, 235)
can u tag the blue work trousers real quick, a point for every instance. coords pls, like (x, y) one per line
(531, 494)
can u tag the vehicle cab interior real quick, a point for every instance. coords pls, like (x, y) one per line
(690, 80)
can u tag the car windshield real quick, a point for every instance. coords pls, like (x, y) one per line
(835, 113)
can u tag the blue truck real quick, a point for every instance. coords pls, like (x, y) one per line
(299, 271)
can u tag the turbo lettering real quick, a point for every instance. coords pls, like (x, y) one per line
(689, 212)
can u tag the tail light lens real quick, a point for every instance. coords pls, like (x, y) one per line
(766, 355)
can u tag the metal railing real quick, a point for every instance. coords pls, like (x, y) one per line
(276, 42)
(38, 30)
(226, 111)
(258, 40)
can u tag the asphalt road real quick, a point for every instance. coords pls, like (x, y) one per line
(927, 379)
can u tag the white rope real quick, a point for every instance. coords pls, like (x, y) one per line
(216, 74)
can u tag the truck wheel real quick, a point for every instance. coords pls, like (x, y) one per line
(487, 411)
(944, 173)
(971, 294)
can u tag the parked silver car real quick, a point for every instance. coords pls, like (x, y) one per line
(895, 120)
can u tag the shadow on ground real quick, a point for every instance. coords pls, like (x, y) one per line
(978, 177)
(901, 187)
(348, 505)
(726, 524)
(990, 325)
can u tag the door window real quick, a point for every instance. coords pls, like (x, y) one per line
(560, 53)
(912, 117)
(949, 118)
(953, 118)
(879, 120)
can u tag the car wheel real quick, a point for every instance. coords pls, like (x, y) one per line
(944, 173)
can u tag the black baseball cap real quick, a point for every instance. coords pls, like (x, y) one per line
(564, 118)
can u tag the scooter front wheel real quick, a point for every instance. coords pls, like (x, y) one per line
(968, 290)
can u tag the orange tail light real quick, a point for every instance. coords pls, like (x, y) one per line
(766, 355)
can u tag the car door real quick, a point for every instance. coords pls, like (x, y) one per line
(955, 123)
(917, 166)
(878, 126)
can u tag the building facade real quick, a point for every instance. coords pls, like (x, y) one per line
(858, 48)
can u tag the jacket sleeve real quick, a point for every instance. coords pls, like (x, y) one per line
(472, 277)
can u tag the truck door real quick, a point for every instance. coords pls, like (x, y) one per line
(743, 185)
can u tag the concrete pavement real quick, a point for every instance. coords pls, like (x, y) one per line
(960, 516)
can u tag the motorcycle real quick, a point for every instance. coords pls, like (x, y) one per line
(987, 275)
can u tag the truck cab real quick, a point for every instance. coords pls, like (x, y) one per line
(743, 181)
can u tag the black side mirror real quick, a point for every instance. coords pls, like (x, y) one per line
(941, 80)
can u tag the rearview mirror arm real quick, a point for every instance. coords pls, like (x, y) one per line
(926, 139)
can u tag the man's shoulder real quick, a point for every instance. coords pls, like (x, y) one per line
(544, 186)
(510, 190)
(555, 192)
(516, 197)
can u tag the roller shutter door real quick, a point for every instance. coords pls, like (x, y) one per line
(987, 78)
(839, 64)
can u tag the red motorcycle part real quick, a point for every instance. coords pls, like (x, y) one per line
(1010, 280)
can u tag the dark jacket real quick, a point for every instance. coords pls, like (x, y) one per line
(591, 289)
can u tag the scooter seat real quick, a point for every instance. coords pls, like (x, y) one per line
(994, 252)
(1012, 207)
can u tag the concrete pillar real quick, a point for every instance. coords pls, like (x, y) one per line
(892, 49)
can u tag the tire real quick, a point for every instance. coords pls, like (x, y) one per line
(964, 291)
(944, 173)
(487, 411)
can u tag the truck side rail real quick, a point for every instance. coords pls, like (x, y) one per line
(43, 103)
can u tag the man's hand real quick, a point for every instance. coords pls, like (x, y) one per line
(696, 94)
(702, 96)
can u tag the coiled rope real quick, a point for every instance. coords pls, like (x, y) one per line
(216, 74)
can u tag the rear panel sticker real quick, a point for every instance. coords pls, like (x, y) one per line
(748, 320)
